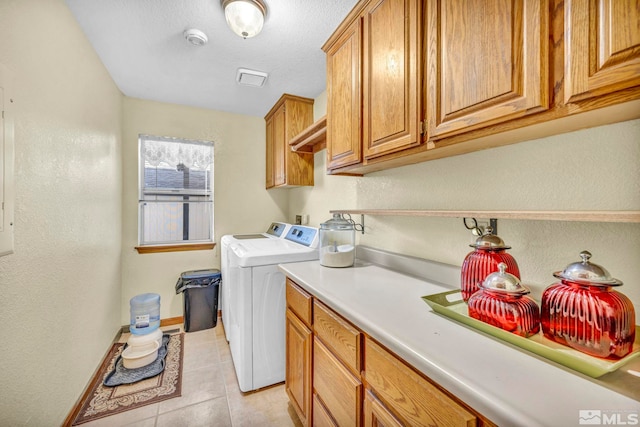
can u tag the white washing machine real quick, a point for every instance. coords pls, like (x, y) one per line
(277, 230)
(257, 304)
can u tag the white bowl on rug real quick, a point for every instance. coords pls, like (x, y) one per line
(139, 356)
(142, 340)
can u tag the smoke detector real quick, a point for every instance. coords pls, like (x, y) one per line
(251, 77)
(195, 37)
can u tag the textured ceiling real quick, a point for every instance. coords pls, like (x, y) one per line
(141, 44)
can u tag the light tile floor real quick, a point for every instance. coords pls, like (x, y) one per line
(210, 393)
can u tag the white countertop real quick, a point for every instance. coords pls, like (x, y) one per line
(508, 385)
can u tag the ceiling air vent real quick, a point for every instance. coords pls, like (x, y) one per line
(251, 77)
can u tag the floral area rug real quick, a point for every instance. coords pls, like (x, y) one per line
(103, 401)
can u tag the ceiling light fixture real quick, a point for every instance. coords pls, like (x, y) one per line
(195, 37)
(245, 17)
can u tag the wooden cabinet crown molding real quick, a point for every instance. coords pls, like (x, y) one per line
(354, 15)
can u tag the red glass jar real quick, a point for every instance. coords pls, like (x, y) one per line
(585, 313)
(502, 301)
(490, 250)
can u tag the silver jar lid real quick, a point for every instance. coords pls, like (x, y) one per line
(489, 241)
(504, 282)
(337, 223)
(584, 272)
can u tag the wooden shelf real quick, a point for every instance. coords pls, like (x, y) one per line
(311, 138)
(584, 216)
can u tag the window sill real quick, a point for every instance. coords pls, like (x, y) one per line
(175, 248)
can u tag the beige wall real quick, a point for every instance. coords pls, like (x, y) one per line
(592, 169)
(60, 291)
(241, 203)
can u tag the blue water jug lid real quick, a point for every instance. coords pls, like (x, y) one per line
(144, 299)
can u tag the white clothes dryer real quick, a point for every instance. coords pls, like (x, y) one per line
(258, 304)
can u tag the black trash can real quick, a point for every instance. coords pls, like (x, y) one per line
(199, 290)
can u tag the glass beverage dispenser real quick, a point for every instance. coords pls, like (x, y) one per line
(337, 242)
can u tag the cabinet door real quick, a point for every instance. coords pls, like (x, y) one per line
(391, 93)
(343, 99)
(279, 159)
(339, 336)
(298, 166)
(602, 47)
(269, 155)
(376, 415)
(336, 386)
(321, 416)
(412, 397)
(298, 366)
(487, 62)
(300, 302)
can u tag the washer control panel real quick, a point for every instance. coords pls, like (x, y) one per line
(277, 228)
(303, 235)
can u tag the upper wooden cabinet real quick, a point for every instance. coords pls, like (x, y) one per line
(477, 74)
(344, 136)
(270, 177)
(602, 47)
(288, 117)
(373, 84)
(390, 79)
(487, 62)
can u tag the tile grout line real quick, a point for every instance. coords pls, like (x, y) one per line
(224, 379)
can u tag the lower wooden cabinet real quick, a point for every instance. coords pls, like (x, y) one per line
(376, 414)
(336, 375)
(336, 386)
(300, 302)
(338, 336)
(298, 361)
(321, 416)
(417, 401)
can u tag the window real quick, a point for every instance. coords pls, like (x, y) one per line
(176, 191)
